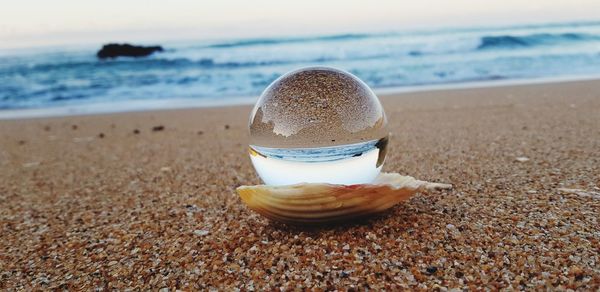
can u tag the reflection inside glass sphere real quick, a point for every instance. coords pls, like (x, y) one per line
(320, 125)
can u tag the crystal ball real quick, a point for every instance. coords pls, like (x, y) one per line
(318, 125)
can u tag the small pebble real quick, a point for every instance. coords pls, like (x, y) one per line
(31, 164)
(522, 159)
(431, 270)
(201, 232)
(158, 128)
(82, 139)
(101, 135)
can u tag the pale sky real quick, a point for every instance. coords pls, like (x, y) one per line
(53, 22)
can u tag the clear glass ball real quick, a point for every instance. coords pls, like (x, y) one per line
(318, 125)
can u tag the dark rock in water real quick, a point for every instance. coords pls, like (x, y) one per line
(126, 50)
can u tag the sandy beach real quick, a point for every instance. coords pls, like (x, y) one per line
(147, 200)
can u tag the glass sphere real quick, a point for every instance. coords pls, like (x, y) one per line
(318, 125)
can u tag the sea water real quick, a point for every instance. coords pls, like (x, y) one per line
(203, 72)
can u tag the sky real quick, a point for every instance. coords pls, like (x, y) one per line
(27, 23)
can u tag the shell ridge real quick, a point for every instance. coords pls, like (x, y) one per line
(321, 203)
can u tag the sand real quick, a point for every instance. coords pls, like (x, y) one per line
(105, 201)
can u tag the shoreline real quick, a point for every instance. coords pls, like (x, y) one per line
(132, 106)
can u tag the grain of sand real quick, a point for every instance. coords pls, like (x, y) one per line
(151, 209)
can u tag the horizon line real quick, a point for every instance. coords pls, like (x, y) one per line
(373, 32)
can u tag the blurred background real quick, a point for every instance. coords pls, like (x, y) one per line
(227, 52)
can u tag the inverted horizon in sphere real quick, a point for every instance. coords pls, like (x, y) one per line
(348, 170)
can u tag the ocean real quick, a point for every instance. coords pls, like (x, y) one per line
(236, 71)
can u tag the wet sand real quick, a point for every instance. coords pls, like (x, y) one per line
(146, 200)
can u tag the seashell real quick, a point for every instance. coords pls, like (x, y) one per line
(316, 203)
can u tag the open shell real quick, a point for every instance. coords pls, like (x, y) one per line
(316, 203)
